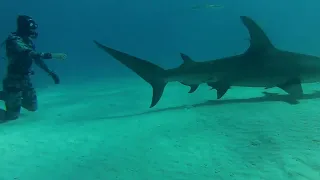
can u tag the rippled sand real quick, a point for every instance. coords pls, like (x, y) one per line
(105, 130)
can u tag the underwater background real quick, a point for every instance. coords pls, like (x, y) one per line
(97, 123)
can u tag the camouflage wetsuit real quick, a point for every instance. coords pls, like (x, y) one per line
(17, 85)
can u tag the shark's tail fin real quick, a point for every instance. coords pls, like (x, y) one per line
(151, 73)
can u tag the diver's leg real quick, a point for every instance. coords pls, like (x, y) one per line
(13, 99)
(29, 96)
(13, 105)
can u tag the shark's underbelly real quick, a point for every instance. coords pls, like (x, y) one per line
(310, 78)
(269, 81)
(194, 79)
(255, 82)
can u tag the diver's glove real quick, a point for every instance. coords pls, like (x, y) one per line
(55, 77)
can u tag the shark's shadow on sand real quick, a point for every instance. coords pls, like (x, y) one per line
(267, 97)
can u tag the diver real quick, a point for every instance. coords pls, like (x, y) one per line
(18, 90)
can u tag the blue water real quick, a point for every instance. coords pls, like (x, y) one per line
(158, 30)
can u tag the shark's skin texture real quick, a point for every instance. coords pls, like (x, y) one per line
(261, 65)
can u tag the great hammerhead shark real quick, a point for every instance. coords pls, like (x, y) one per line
(261, 65)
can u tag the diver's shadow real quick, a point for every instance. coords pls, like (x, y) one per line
(267, 97)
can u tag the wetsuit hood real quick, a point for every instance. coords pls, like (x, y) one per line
(26, 26)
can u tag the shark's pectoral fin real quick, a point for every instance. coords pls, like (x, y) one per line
(293, 87)
(220, 87)
(193, 87)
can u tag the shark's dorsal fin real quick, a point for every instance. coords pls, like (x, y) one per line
(186, 59)
(258, 39)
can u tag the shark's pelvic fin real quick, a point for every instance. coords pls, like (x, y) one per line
(151, 73)
(193, 87)
(220, 87)
(259, 41)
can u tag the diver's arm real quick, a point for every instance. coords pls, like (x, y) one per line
(37, 55)
(40, 63)
(20, 47)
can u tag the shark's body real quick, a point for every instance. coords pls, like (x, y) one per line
(261, 65)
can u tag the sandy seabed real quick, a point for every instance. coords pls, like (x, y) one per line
(106, 130)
